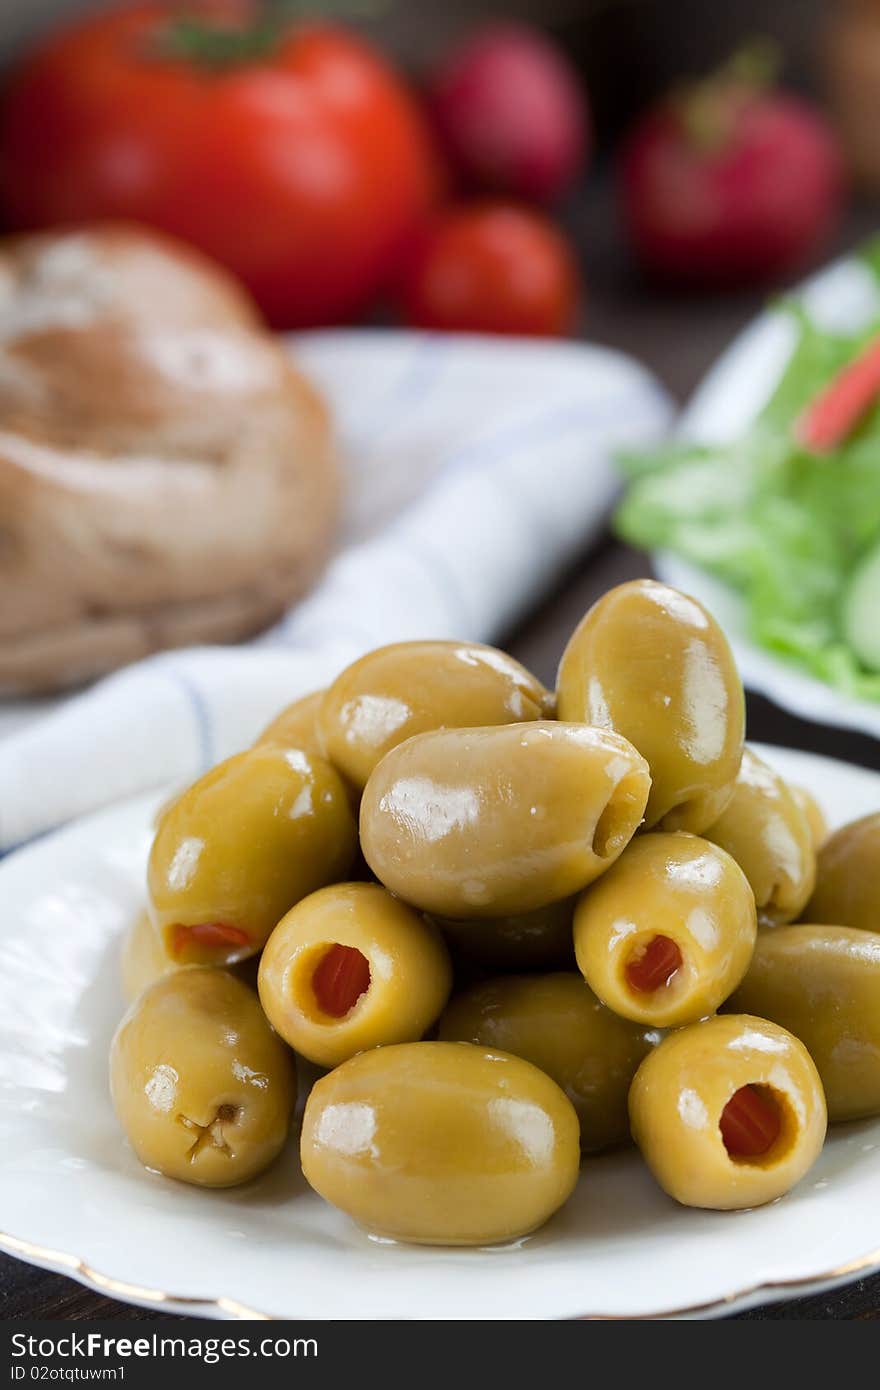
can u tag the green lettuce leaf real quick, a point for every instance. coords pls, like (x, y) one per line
(784, 527)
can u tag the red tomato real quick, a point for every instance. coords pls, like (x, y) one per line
(303, 168)
(492, 268)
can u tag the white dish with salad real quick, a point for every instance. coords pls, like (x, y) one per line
(766, 505)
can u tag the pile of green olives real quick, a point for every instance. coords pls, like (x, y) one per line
(513, 928)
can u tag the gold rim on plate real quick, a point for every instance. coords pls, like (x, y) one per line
(73, 1265)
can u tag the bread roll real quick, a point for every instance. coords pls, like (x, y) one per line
(166, 475)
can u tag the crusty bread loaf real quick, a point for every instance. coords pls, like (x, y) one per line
(166, 475)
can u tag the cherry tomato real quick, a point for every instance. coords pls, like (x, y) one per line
(303, 164)
(492, 268)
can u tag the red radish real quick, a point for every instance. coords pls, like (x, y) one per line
(512, 113)
(730, 183)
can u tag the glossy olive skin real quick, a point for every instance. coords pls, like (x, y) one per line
(681, 887)
(144, 958)
(488, 822)
(823, 984)
(410, 972)
(813, 811)
(537, 940)
(557, 1023)
(201, 1085)
(242, 845)
(847, 888)
(680, 1091)
(441, 1143)
(296, 727)
(652, 664)
(412, 687)
(766, 831)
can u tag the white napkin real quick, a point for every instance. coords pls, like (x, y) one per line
(476, 469)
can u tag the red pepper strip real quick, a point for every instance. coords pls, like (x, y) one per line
(833, 415)
(750, 1124)
(210, 936)
(655, 966)
(340, 979)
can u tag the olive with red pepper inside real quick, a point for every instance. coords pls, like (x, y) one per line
(241, 846)
(351, 967)
(728, 1113)
(667, 933)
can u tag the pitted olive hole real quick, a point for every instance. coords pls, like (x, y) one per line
(211, 1135)
(757, 1126)
(619, 820)
(653, 964)
(339, 979)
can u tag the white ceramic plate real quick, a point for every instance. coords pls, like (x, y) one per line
(74, 1198)
(726, 402)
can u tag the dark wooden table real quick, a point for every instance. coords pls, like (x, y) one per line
(678, 338)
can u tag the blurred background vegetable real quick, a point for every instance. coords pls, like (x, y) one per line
(512, 113)
(788, 513)
(292, 153)
(852, 61)
(729, 180)
(309, 144)
(492, 268)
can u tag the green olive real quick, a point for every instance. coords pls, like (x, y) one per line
(144, 958)
(296, 727)
(413, 687)
(847, 888)
(488, 822)
(823, 984)
(766, 831)
(654, 666)
(351, 967)
(728, 1113)
(201, 1085)
(441, 1143)
(557, 1023)
(813, 812)
(537, 940)
(241, 846)
(668, 932)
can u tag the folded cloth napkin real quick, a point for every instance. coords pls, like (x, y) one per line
(476, 469)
